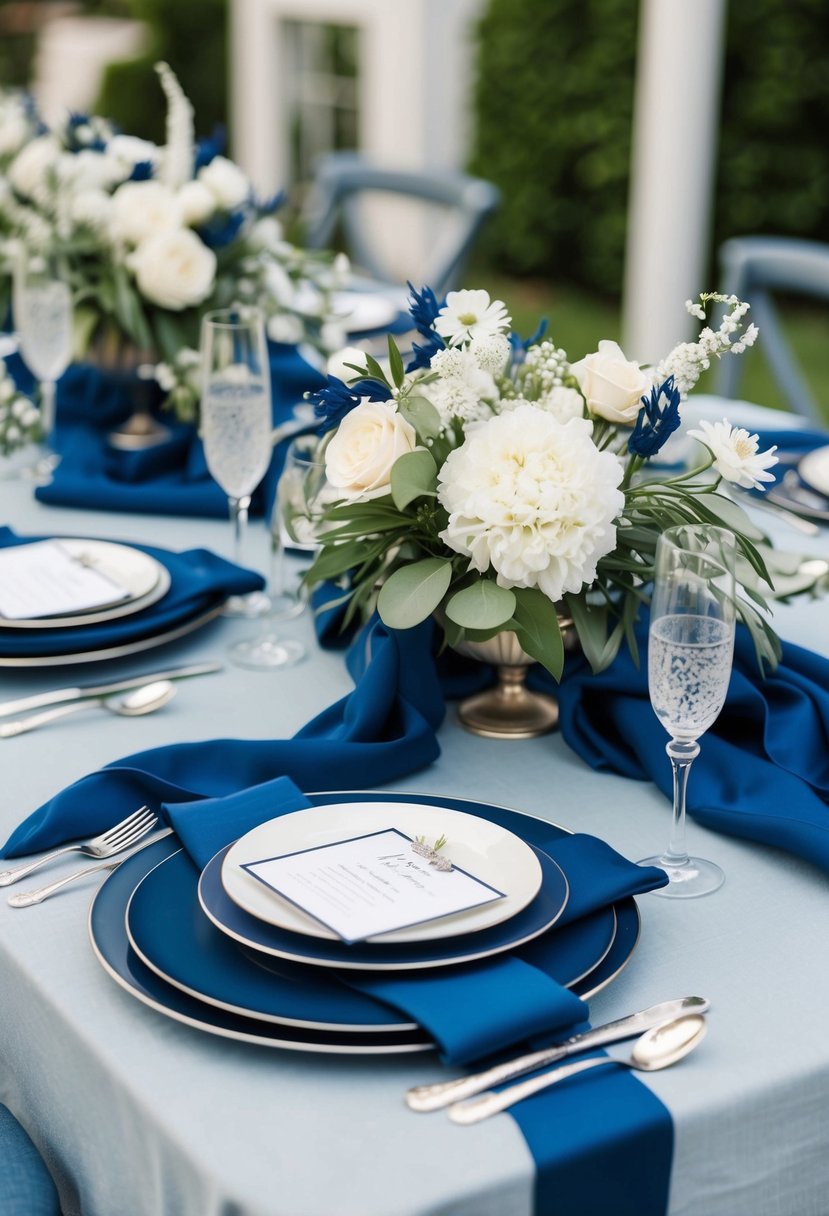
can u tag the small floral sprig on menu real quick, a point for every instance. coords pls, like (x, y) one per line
(499, 486)
(431, 853)
(19, 416)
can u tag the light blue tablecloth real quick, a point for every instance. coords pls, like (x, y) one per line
(150, 1116)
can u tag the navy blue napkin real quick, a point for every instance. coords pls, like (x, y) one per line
(763, 769)
(169, 479)
(200, 580)
(383, 729)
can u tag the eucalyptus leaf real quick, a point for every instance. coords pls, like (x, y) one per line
(413, 592)
(483, 605)
(422, 415)
(538, 629)
(413, 475)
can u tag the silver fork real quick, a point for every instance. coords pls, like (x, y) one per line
(112, 841)
(24, 899)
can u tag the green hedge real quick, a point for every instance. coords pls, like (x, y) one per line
(553, 108)
(191, 35)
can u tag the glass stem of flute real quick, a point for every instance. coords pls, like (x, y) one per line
(239, 518)
(47, 407)
(682, 756)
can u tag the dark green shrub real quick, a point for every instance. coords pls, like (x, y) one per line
(191, 36)
(554, 103)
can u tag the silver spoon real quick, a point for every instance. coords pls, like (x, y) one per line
(657, 1048)
(144, 700)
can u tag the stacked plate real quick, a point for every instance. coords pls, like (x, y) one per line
(805, 490)
(138, 616)
(219, 951)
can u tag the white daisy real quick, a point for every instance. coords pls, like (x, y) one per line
(471, 314)
(735, 453)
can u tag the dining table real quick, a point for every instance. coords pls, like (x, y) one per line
(138, 1114)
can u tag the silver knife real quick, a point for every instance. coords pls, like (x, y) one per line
(58, 695)
(443, 1093)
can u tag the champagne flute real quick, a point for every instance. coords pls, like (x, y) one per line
(690, 650)
(236, 420)
(42, 303)
(300, 496)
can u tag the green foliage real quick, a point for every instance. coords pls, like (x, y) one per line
(554, 104)
(191, 36)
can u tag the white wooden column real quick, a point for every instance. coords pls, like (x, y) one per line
(414, 89)
(676, 115)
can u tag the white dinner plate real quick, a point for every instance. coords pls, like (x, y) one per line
(486, 850)
(363, 310)
(144, 579)
(814, 469)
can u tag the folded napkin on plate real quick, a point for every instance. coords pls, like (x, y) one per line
(589, 1141)
(168, 479)
(200, 580)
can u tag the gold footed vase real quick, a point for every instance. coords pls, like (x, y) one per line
(134, 368)
(510, 710)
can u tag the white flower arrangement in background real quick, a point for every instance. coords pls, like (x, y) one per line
(19, 417)
(497, 485)
(153, 236)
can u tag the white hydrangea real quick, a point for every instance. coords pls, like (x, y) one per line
(562, 402)
(462, 389)
(533, 499)
(491, 352)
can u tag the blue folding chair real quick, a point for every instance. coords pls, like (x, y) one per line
(754, 268)
(26, 1186)
(336, 204)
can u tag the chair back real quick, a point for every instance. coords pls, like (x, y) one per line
(26, 1186)
(755, 268)
(451, 208)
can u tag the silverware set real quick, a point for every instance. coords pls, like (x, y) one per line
(119, 840)
(668, 1032)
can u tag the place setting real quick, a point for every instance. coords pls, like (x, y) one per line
(222, 949)
(66, 600)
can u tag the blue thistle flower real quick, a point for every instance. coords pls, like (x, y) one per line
(657, 419)
(332, 403)
(211, 146)
(142, 171)
(222, 230)
(424, 307)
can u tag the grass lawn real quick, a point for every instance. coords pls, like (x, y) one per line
(578, 320)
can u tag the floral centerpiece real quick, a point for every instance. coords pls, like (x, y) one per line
(154, 236)
(501, 487)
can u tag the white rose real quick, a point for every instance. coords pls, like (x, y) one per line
(225, 181)
(140, 209)
(359, 459)
(336, 365)
(613, 386)
(88, 170)
(285, 328)
(174, 269)
(132, 151)
(196, 201)
(14, 128)
(28, 170)
(91, 208)
(278, 284)
(266, 233)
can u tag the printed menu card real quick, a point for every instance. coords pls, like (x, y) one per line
(371, 884)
